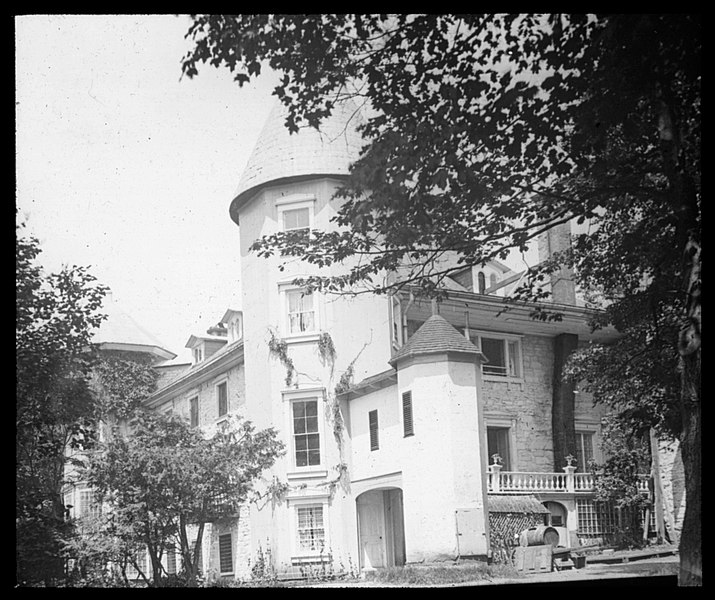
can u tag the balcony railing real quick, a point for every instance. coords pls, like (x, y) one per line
(527, 482)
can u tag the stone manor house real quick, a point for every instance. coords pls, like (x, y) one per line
(414, 432)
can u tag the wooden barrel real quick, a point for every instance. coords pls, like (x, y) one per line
(543, 535)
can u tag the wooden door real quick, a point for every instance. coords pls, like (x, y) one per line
(371, 521)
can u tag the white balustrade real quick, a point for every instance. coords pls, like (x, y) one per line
(527, 482)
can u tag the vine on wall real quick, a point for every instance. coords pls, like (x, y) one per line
(278, 348)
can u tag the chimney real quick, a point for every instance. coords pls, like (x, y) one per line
(557, 239)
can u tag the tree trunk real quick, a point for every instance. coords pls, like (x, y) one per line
(689, 346)
(691, 560)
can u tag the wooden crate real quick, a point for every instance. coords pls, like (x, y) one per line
(534, 559)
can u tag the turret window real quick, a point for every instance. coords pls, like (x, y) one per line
(297, 218)
(301, 312)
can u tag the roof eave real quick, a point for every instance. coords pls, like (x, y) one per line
(248, 194)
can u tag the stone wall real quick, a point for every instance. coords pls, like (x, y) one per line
(527, 405)
(208, 399)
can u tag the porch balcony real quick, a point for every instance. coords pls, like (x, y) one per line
(524, 482)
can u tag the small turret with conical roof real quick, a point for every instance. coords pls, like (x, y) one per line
(280, 156)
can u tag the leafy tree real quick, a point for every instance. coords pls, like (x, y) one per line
(489, 129)
(122, 381)
(164, 476)
(484, 131)
(55, 317)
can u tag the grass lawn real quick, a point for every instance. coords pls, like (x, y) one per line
(442, 574)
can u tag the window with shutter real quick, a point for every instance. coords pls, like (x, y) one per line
(225, 553)
(194, 410)
(374, 440)
(407, 414)
(222, 393)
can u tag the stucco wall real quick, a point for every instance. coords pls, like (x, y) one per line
(359, 331)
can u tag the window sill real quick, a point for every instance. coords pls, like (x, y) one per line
(302, 338)
(313, 473)
(303, 559)
(503, 379)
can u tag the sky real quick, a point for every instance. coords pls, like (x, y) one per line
(124, 166)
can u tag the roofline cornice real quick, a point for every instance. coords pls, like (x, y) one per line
(245, 196)
(523, 307)
(215, 365)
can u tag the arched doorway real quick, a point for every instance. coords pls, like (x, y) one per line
(381, 530)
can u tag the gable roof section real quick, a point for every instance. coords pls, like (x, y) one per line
(280, 155)
(119, 331)
(436, 336)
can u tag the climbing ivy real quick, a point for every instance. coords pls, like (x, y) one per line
(326, 350)
(278, 348)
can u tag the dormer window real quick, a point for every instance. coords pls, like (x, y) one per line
(481, 282)
(198, 354)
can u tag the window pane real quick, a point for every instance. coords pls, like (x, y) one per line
(305, 433)
(493, 349)
(222, 400)
(311, 530)
(311, 408)
(301, 316)
(297, 218)
(301, 458)
(498, 443)
(298, 409)
(584, 441)
(513, 360)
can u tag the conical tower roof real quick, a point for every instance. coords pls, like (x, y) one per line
(119, 331)
(281, 156)
(436, 336)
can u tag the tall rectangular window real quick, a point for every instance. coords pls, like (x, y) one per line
(584, 452)
(498, 443)
(171, 560)
(306, 436)
(296, 218)
(407, 414)
(194, 411)
(88, 505)
(222, 393)
(301, 313)
(225, 553)
(372, 422)
(311, 529)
